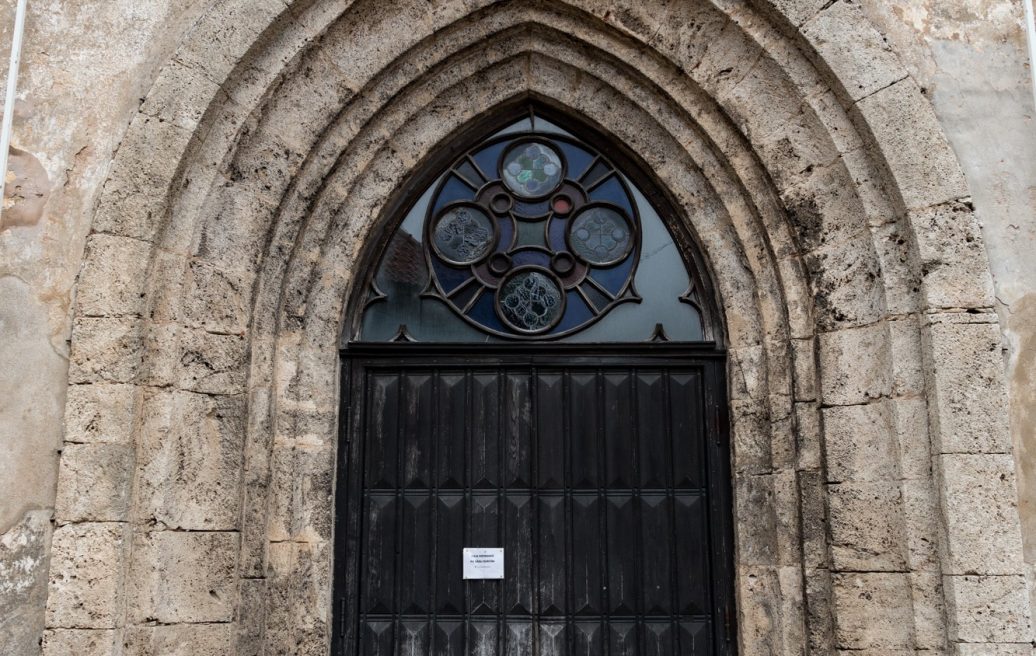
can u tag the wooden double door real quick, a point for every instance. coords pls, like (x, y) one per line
(603, 476)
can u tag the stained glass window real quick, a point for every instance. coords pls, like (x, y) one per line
(532, 235)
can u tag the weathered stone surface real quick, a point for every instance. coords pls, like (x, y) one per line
(100, 413)
(845, 277)
(113, 276)
(180, 640)
(189, 462)
(872, 611)
(81, 642)
(992, 649)
(980, 507)
(196, 360)
(105, 350)
(301, 485)
(209, 191)
(859, 442)
(953, 257)
(854, 365)
(867, 532)
(179, 576)
(968, 401)
(851, 46)
(94, 483)
(988, 608)
(86, 576)
(922, 163)
(23, 575)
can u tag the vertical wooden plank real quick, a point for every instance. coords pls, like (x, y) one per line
(586, 554)
(416, 437)
(551, 555)
(377, 638)
(691, 541)
(380, 553)
(622, 638)
(659, 638)
(414, 637)
(583, 413)
(587, 638)
(519, 639)
(448, 637)
(449, 583)
(656, 540)
(651, 430)
(550, 432)
(414, 585)
(484, 531)
(694, 639)
(553, 639)
(450, 425)
(687, 427)
(518, 550)
(621, 543)
(517, 430)
(482, 638)
(618, 430)
(484, 428)
(383, 439)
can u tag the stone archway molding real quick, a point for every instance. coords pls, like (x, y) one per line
(874, 482)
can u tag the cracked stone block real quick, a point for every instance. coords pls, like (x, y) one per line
(180, 640)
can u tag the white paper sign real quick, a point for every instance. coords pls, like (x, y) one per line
(483, 563)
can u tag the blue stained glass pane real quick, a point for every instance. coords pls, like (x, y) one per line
(576, 312)
(487, 159)
(576, 158)
(506, 234)
(453, 190)
(523, 257)
(557, 234)
(531, 209)
(449, 278)
(484, 312)
(612, 191)
(613, 278)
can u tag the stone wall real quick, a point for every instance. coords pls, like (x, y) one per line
(254, 145)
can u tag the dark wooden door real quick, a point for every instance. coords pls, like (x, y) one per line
(604, 477)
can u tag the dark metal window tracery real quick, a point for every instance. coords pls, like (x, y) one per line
(531, 234)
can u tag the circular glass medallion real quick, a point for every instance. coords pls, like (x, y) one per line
(532, 169)
(463, 235)
(531, 301)
(600, 235)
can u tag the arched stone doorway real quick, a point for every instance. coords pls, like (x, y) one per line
(533, 382)
(832, 212)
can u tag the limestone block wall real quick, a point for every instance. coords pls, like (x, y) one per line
(195, 184)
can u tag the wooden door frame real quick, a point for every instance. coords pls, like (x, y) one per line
(358, 357)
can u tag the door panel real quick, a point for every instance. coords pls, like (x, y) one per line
(593, 476)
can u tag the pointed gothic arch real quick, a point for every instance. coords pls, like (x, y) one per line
(829, 207)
